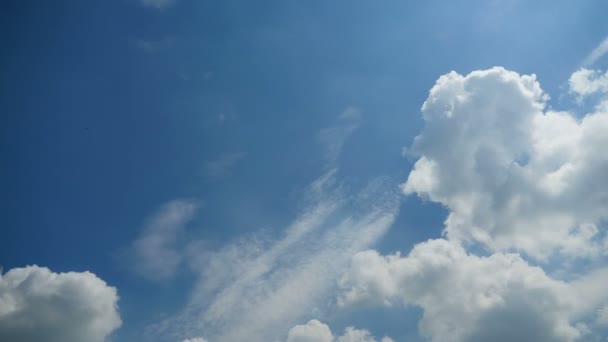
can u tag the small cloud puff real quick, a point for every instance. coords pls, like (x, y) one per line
(315, 331)
(585, 82)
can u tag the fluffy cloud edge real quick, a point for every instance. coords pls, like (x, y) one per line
(316, 331)
(37, 304)
(195, 339)
(465, 297)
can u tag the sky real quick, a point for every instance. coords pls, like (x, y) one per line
(303, 171)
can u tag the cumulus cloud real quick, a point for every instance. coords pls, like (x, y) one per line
(466, 297)
(359, 335)
(513, 174)
(315, 331)
(156, 255)
(586, 82)
(39, 305)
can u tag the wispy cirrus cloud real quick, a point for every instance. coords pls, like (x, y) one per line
(334, 137)
(600, 51)
(257, 288)
(156, 254)
(222, 167)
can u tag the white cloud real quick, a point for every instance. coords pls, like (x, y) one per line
(466, 297)
(315, 331)
(597, 53)
(359, 335)
(512, 174)
(196, 339)
(585, 82)
(39, 305)
(156, 254)
(222, 167)
(158, 4)
(590, 289)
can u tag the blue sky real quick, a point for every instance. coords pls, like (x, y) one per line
(164, 145)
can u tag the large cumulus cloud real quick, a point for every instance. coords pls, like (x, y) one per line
(513, 174)
(521, 180)
(39, 305)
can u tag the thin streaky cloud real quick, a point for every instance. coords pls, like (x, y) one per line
(597, 53)
(286, 279)
(222, 167)
(289, 277)
(333, 138)
(155, 253)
